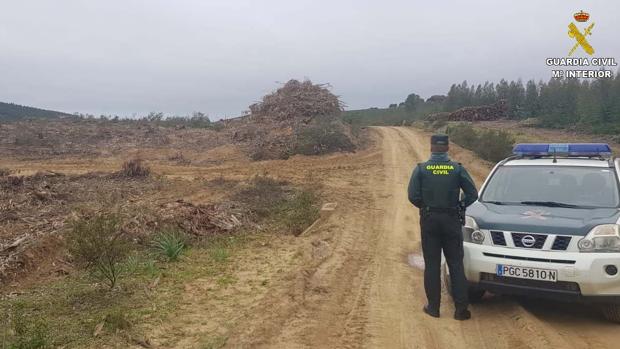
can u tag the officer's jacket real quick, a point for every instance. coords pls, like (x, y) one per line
(437, 183)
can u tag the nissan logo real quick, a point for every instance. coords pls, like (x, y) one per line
(528, 241)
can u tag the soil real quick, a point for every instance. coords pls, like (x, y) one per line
(347, 283)
(362, 292)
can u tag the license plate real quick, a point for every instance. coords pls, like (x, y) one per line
(526, 273)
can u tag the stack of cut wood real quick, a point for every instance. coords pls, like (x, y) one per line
(479, 113)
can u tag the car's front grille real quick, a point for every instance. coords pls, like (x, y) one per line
(537, 242)
(565, 286)
(498, 238)
(561, 243)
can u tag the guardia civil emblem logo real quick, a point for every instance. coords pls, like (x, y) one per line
(535, 214)
(578, 35)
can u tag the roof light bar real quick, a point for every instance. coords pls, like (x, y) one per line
(563, 149)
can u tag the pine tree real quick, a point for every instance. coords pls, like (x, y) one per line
(530, 104)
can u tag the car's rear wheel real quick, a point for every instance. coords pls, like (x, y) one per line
(611, 312)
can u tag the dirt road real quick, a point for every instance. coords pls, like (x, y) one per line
(364, 293)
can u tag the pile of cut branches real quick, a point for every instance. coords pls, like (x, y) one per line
(301, 100)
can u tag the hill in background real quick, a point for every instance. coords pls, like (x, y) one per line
(10, 111)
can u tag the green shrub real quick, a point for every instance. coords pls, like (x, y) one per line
(438, 125)
(494, 145)
(323, 138)
(491, 145)
(263, 195)
(276, 203)
(300, 211)
(463, 135)
(116, 320)
(169, 244)
(97, 244)
(219, 254)
(28, 333)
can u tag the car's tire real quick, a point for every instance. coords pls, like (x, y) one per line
(611, 312)
(475, 294)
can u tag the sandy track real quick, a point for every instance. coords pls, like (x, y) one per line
(362, 293)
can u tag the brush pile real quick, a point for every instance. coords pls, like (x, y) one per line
(202, 220)
(298, 118)
(36, 210)
(298, 100)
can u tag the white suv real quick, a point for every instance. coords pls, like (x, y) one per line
(547, 225)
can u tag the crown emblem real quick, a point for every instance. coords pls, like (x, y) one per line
(581, 16)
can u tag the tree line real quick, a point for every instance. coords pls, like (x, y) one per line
(557, 103)
(590, 104)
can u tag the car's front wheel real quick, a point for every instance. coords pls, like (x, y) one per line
(475, 294)
(611, 312)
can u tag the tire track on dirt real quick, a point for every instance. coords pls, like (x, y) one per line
(502, 322)
(395, 311)
(323, 303)
(363, 293)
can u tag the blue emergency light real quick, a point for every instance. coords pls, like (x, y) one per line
(563, 149)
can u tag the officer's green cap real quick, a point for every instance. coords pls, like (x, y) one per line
(439, 139)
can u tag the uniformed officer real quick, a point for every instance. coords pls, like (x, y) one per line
(435, 188)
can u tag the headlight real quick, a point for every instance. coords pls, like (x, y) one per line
(602, 238)
(470, 222)
(471, 232)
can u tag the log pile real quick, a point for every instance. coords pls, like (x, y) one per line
(478, 113)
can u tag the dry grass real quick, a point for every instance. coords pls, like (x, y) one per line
(135, 168)
(180, 159)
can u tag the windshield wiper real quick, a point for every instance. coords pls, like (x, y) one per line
(496, 202)
(548, 203)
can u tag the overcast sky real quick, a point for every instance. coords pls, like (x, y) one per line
(130, 56)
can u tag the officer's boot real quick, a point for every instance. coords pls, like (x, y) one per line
(430, 311)
(461, 313)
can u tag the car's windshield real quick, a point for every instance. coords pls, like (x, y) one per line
(553, 185)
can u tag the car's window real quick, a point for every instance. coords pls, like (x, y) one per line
(581, 186)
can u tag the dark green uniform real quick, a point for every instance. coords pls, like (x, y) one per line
(435, 188)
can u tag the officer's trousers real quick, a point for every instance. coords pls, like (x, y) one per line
(443, 231)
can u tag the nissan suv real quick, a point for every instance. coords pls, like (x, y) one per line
(546, 225)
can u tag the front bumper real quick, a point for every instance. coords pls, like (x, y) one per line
(580, 275)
